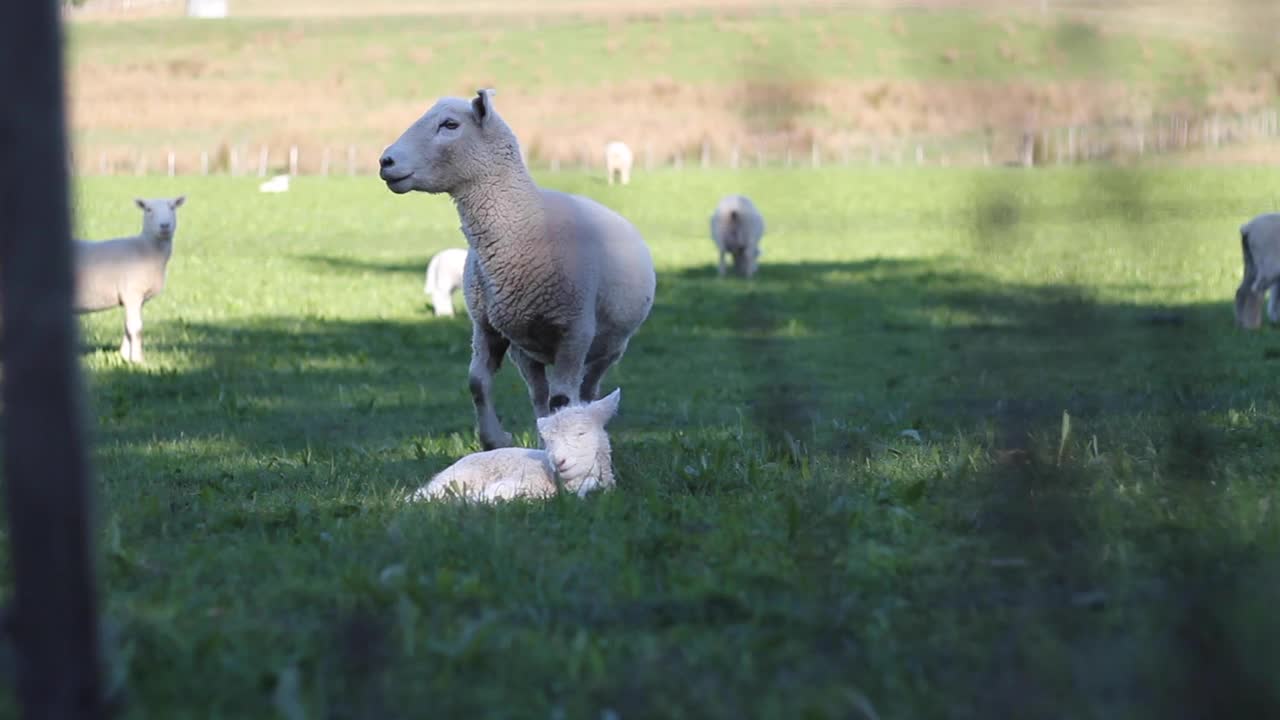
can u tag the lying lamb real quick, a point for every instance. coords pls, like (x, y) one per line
(736, 228)
(1260, 243)
(128, 271)
(277, 184)
(617, 159)
(444, 276)
(577, 451)
(559, 281)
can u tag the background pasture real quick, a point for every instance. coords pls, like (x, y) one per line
(777, 544)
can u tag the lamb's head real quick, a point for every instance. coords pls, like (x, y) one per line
(451, 147)
(575, 437)
(160, 217)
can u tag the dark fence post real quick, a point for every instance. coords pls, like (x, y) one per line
(53, 621)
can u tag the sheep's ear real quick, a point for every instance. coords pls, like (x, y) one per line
(482, 105)
(177, 202)
(606, 407)
(142, 204)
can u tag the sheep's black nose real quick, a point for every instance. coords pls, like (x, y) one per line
(386, 161)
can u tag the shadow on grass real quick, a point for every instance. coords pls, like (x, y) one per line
(357, 266)
(823, 362)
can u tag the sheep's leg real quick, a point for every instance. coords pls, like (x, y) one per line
(1248, 299)
(1273, 303)
(487, 349)
(721, 262)
(535, 377)
(565, 374)
(131, 348)
(442, 303)
(595, 370)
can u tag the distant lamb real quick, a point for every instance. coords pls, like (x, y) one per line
(277, 184)
(736, 228)
(1260, 243)
(444, 276)
(577, 450)
(559, 281)
(617, 160)
(128, 271)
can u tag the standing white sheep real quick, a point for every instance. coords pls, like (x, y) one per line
(128, 271)
(577, 451)
(444, 276)
(617, 160)
(736, 228)
(559, 281)
(1260, 244)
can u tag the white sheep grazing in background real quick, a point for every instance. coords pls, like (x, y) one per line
(737, 228)
(559, 281)
(277, 184)
(617, 160)
(577, 451)
(1260, 244)
(444, 276)
(128, 271)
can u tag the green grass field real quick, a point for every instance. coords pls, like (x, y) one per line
(777, 546)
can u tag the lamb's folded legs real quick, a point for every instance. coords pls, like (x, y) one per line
(487, 348)
(131, 346)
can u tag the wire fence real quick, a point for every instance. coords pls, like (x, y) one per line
(1058, 145)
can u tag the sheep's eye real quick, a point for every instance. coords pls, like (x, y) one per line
(450, 123)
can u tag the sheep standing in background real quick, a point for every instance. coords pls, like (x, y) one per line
(577, 451)
(128, 271)
(444, 276)
(617, 159)
(559, 281)
(736, 228)
(1260, 243)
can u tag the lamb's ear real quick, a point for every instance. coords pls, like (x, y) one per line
(606, 407)
(542, 425)
(177, 202)
(482, 104)
(142, 204)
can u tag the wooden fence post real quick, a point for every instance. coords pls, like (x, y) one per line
(53, 622)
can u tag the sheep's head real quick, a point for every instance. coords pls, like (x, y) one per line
(453, 145)
(575, 436)
(159, 217)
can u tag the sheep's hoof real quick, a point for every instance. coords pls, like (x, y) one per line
(505, 440)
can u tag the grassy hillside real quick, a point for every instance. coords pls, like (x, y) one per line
(847, 488)
(665, 81)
